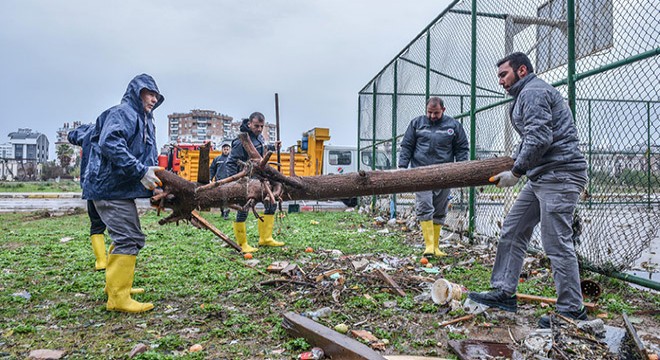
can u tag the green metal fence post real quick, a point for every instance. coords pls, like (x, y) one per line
(473, 115)
(373, 139)
(570, 19)
(393, 163)
(589, 134)
(648, 151)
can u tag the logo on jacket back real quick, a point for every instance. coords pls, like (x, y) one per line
(450, 131)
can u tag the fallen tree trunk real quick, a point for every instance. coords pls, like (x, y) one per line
(259, 182)
(187, 196)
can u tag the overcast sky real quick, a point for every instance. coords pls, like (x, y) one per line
(69, 60)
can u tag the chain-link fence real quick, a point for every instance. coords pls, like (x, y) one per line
(602, 55)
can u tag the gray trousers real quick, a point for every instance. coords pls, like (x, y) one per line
(123, 223)
(432, 205)
(550, 199)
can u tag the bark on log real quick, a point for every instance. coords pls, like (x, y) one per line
(184, 196)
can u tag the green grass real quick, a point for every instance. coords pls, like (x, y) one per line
(205, 293)
(40, 186)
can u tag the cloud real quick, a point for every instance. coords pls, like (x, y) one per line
(67, 61)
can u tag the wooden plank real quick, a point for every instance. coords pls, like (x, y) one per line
(591, 307)
(334, 344)
(639, 345)
(391, 281)
(215, 231)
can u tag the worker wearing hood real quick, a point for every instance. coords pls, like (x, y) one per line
(121, 168)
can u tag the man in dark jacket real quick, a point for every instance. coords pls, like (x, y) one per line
(557, 172)
(81, 136)
(434, 138)
(253, 126)
(121, 168)
(218, 168)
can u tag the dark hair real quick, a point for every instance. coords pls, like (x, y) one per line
(517, 59)
(435, 101)
(259, 116)
(225, 145)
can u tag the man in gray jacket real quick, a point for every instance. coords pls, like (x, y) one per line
(432, 139)
(556, 169)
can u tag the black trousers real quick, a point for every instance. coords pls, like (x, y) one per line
(97, 225)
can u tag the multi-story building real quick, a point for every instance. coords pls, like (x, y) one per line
(200, 126)
(22, 157)
(61, 139)
(29, 146)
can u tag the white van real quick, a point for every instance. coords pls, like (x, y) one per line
(339, 159)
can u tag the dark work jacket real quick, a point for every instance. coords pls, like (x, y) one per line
(238, 152)
(123, 146)
(218, 166)
(430, 143)
(542, 118)
(81, 136)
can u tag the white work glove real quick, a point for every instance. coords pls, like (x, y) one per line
(504, 179)
(150, 180)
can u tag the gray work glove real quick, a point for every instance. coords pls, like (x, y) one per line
(150, 180)
(504, 179)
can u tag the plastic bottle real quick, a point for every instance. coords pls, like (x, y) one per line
(314, 354)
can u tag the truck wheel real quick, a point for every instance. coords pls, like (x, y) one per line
(352, 202)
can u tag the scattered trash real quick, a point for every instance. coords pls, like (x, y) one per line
(138, 349)
(432, 270)
(474, 349)
(360, 265)
(314, 354)
(66, 239)
(443, 291)
(539, 342)
(277, 266)
(473, 307)
(320, 313)
(252, 263)
(196, 348)
(24, 294)
(595, 327)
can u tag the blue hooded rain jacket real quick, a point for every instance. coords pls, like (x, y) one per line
(123, 146)
(81, 136)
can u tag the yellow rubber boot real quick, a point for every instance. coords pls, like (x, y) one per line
(266, 232)
(133, 290)
(436, 240)
(98, 246)
(429, 237)
(119, 280)
(240, 232)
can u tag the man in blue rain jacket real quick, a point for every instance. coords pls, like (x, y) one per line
(121, 168)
